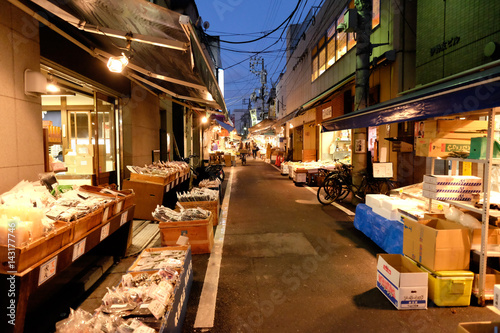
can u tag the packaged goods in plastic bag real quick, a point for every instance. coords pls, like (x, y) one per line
(165, 214)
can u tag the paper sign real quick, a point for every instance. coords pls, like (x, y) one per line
(123, 218)
(105, 214)
(47, 270)
(104, 231)
(79, 249)
(157, 309)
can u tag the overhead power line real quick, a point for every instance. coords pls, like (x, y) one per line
(267, 34)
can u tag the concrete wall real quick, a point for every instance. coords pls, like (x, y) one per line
(21, 151)
(141, 127)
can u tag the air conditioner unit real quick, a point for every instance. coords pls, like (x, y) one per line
(351, 20)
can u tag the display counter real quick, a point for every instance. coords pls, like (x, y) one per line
(19, 285)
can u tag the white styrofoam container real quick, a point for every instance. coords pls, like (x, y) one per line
(496, 296)
(395, 203)
(387, 214)
(375, 200)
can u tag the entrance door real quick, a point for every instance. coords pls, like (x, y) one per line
(106, 142)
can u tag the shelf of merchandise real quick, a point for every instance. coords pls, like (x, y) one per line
(485, 210)
(18, 286)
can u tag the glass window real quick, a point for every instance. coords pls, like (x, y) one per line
(330, 52)
(106, 136)
(314, 68)
(322, 61)
(375, 13)
(341, 39)
(350, 41)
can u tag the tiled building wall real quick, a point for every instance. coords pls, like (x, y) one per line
(451, 36)
(21, 135)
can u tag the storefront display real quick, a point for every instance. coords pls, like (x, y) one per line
(151, 297)
(336, 146)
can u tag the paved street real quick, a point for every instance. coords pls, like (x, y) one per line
(292, 265)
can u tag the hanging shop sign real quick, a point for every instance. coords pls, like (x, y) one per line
(327, 113)
(253, 116)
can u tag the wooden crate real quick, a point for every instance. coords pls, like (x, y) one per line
(152, 179)
(200, 233)
(28, 255)
(133, 268)
(86, 223)
(212, 206)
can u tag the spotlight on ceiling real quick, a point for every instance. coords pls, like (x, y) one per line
(117, 64)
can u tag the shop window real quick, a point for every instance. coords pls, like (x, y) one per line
(331, 52)
(375, 13)
(106, 136)
(314, 68)
(341, 38)
(322, 61)
(351, 41)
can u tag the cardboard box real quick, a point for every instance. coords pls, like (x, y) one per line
(441, 181)
(451, 188)
(199, 232)
(402, 282)
(492, 279)
(440, 147)
(493, 235)
(447, 196)
(478, 148)
(439, 245)
(478, 327)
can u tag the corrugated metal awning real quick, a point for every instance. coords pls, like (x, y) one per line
(164, 49)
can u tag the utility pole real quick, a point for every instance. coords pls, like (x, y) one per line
(363, 52)
(262, 73)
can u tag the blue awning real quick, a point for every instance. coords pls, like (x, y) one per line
(478, 91)
(224, 125)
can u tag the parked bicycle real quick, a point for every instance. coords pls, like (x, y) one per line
(338, 184)
(211, 172)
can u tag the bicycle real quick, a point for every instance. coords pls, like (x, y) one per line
(338, 184)
(211, 172)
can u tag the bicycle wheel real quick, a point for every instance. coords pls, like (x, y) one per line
(368, 187)
(328, 191)
(386, 185)
(343, 189)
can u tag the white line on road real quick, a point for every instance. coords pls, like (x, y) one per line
(342, 208)
(206, 308)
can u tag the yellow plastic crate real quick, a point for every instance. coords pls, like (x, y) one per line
(450, 288)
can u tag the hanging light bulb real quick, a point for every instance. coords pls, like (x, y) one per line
(51, 85)
(204, 119)
(117, 64)
(291, 125)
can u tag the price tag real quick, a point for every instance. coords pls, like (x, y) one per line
(79, 249)
(104, 231)
(157, 309)
(118, 207)
(47, 270)
(440, 207)
(123, 218)
(167, 188)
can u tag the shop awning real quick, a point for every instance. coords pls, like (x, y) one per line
(165, 51)
(286, 118)
(225, 126)
(477, 91)
(261, 127)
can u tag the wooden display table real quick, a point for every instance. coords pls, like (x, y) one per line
(17, 287)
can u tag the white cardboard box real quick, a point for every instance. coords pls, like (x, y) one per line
(395, 203)
(453, 180)
(451, 188)
(402, 282)
(496, 296)
(447, 196)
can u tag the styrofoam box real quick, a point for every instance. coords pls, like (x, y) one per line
(496, 296)
(453, 180)
(452, 188)
(395, 203)
(447, 196)
(375, 200)
(387, 214)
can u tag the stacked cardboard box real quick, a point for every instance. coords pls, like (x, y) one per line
(458, 188)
